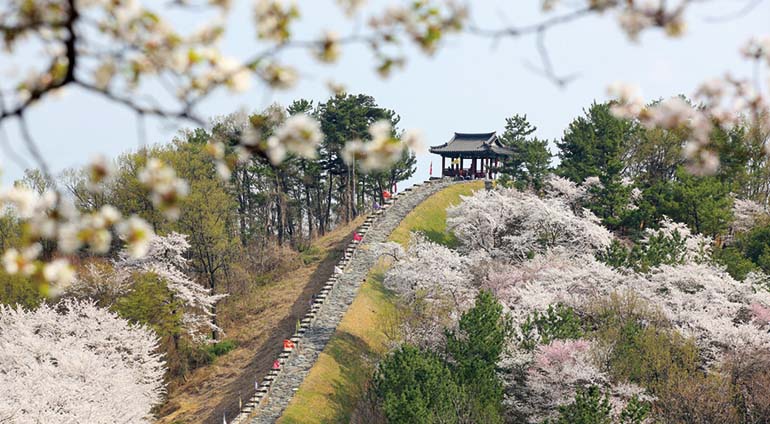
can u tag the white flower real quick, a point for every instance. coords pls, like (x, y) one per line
(548, 5)
(592, 181)
(68, 240)
(81, 358)
(301, 135)
(223, 171)
(276, 151)
(272, 18)
(165, 258)
(23, 262)
(280, 77)
(329, 49)
(215, 149)
(625, 92)
(756, 48)
(59, 272)
(671, 113)
(99, 170)
(166, 189)
(383, 151)
(413, 139)
(351, 6)
(712, 90)
(99, 240)
(380, 130)
(353, 150)
(23, 199)
(137, 233)
(104, 74)
(236, 76)
(110, 214)
(633, 22)
(629, 99)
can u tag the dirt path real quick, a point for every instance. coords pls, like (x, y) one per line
(265, 354)
(263, 322)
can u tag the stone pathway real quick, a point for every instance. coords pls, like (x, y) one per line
(317, 329)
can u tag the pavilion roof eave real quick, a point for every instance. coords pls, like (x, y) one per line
(469, 155)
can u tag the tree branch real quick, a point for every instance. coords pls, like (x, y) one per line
(32, 148)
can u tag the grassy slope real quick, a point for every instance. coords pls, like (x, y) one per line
(253, 321)
(339, 377)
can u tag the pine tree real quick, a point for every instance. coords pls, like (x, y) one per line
(531, 159)
(475, 350)
(416, 386)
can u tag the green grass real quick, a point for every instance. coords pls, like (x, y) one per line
(339, 378)
(429, 218)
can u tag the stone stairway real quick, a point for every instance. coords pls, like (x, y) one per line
(331, 303)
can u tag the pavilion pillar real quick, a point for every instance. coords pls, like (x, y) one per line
(443, 166)
(473, 167)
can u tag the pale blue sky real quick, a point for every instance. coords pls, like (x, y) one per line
(470, 85)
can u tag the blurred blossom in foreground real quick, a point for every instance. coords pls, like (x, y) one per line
(383, 150)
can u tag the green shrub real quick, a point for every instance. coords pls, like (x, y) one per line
(17, 289)
(635, 411)
(311, 255)
(658, 249)
(736, 264)
(696, 397)
(558, 322)
(221, 348)
(750, 248)
(150, 302)
(650, 356)
(591, 406)
(643, 348)
(416, 386)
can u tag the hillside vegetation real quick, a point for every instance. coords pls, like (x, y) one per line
(622, 286)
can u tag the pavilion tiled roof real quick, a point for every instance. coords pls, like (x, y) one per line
(473, 145)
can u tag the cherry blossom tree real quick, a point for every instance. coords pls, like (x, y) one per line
(512, 224)
(746, 214)
(434, 287)
(561, 368)
(165, 258)
(73, 363)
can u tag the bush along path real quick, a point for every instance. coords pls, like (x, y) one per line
(314, 331)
